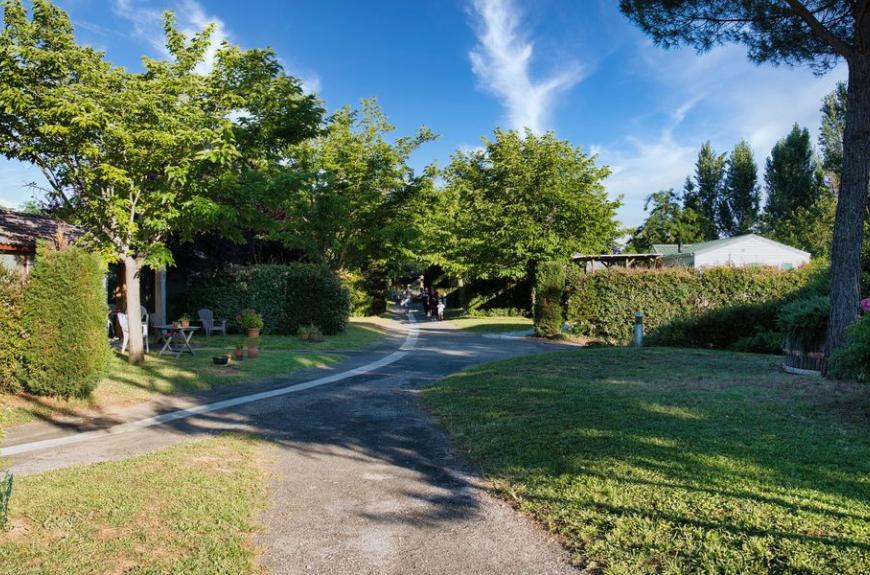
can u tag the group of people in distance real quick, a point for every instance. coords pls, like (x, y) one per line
(433, 304)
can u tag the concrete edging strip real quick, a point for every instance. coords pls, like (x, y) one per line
(408, 345)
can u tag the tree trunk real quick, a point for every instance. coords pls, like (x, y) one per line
(136, 345)
(851, 206)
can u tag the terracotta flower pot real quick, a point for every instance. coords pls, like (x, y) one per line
(253, 352)
(239, 355)
(254, 332)
(185, 323)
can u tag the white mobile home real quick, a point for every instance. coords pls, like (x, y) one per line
(739, 251)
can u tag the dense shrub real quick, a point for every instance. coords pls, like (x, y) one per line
(492, 297)
(804, 322)
(762, 341)
(852, 360)
(11, 333)
(676, 301)
(64, 317)
(361, 302)
(549, 287)
(723, 328)
(287, 296)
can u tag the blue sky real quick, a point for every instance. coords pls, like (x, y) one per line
(465, 67)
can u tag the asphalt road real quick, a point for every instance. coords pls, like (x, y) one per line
(364, 480)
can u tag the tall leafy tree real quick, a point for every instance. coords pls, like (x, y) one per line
(351, 201)
(134, 157)
(739, 206)
(667, 223)
(793, 175)
(523, 199)
(831, 133)
(797, 197)
(702, 195)
(817, 33)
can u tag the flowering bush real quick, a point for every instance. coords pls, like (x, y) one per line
(249, 319)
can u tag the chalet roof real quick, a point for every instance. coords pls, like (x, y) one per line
(700, 247)
(22, 230)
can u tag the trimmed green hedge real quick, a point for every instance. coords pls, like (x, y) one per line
(287, 296)
(11, 331)
(492, 297)
(64, 316)
(549, 287)
(713, 307)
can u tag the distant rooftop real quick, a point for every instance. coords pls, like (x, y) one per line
(20, 230)
(674, 249)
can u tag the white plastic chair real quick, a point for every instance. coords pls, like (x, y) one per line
(125, 330)
(206, 317)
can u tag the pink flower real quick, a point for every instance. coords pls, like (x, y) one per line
(865, 305)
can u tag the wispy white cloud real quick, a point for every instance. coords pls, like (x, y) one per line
(502, 63)
(718, 96)
(191, 18)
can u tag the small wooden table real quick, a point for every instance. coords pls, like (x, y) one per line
(176, 339)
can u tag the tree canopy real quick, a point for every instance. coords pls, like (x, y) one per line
(349, 198)
(667, 223)
(524, 198)
(135, 156)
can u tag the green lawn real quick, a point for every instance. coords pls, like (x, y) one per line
(492, 324)
(189, 509)
(127, 385)
(673, 460)
(358, 335)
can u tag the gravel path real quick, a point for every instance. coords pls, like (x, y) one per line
(364, 480)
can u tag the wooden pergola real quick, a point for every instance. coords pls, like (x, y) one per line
(592, 263)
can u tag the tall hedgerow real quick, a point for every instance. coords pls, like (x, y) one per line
(549, 287)
(675, 300)
(287, 296)
(11, 332)
(65, 310)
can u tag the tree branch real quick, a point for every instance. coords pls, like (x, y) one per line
(838, 45)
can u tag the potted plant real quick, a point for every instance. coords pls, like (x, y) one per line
(250, 321)
(184, 321)
(253, 349)
(239, 354)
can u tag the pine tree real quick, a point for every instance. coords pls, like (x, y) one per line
(793, 176)
(797, 197)
(704, 193)
(738, 208)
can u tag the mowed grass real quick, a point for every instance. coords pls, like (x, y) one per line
(359, 334)
(189, 509)
(492, 324)
(127, 385)
(672, 460)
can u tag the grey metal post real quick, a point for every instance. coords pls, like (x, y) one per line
(638, 329)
